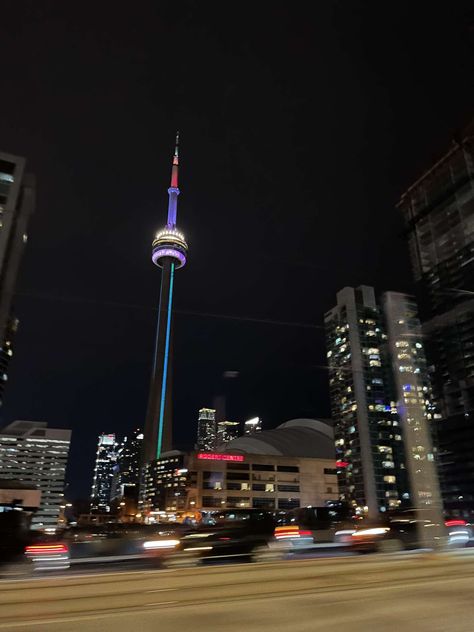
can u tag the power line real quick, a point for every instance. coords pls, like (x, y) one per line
(183, 312)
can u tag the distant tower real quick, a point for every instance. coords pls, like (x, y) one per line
(102, 483)
(207, 431)
(169, 253)
(227, 431)
(127, 474)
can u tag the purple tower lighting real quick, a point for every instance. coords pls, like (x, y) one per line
(169, 252)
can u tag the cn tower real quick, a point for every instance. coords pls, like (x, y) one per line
(169, 252)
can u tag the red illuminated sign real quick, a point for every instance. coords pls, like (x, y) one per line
(212, 456)
(342, 463)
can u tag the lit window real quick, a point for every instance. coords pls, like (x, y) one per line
(390, 479)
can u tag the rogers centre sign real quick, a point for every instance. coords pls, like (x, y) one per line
(212, 456)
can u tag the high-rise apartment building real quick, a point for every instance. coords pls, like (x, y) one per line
(368, 437)
(207, 431)
(32, 453)
(252, 425)
(414, 404)
(438, 211)
(6, 353)
(104, 473)
(127, 471)
(17, 200)
(226, 431)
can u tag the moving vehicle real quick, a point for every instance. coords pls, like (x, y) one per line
(401, 532)
(329, 524)
(243, 533)
(101, 544)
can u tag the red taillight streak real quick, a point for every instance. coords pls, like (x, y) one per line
(455, 523)
(46, 549)
(290, 532)
(224, 538)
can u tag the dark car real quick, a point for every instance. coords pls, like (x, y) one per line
(327, 524)
(100, 544)
(232, 533)
(402, 532)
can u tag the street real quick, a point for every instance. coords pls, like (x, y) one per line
(389, 593)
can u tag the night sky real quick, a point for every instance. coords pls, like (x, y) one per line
(301, 125)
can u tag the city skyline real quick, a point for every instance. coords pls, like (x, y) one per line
(263, 147)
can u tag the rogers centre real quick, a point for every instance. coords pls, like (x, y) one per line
(291, 466)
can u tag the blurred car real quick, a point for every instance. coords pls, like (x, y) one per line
(401, 532)
(328, 524)
(242, 533)
(102, 543)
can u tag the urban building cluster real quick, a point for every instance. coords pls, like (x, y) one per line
(213, 434)
(401, 381)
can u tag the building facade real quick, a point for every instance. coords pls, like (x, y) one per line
(291, 466)
(34, 454)
(17, 202)
(210, 480)
(414, 404)
(368, 437)
(207, 429)
(438, 210)
(127, 469)
(104, 473)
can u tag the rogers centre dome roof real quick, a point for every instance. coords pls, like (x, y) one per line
(298, 438)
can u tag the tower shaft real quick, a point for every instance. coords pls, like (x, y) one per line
(158, 424)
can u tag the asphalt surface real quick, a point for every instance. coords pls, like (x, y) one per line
(422, 592)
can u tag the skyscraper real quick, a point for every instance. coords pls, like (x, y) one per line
(104, 473)
(414, 405)
(368, 437)
(207, 431)
(6, 352)
(438, 211)
(31, 452)
(127, 475)
(252, 425)
(17, 200)
(226, 431)
(169, 253)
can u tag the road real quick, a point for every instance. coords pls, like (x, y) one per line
(422, 592)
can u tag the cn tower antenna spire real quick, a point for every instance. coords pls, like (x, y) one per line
(173, 191)
(174, 169)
